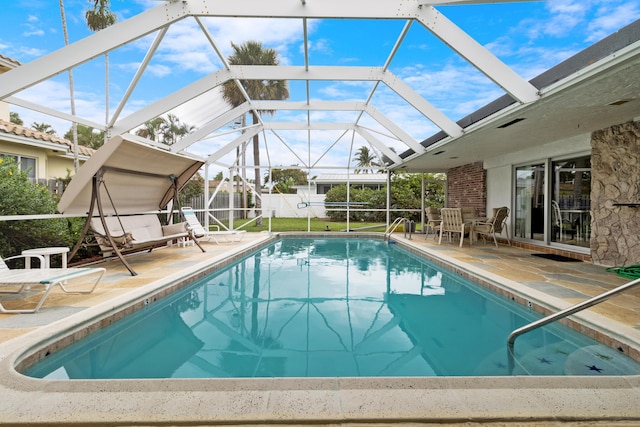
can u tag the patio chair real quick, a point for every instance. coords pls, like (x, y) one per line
(494, 225)
(468, 212)
(561, 226)
(16, 281)
(452, 223)
(433, 221)
(201, 234)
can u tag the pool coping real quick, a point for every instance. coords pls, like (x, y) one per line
(303, 400)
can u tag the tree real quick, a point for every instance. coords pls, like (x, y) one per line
(405, 196)
(173, 130)
(15, 118)
(253, 53)
(99, 18)
(365, 160)
(152, 129)
(74, 137)
(166, 130)
(285, 179)
(44, 128)
(87, 136)
(192, 189)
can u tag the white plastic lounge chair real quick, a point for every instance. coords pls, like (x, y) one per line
(15, 281)
(201, 234)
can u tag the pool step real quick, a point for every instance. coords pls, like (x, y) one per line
(558, 359)
(561, 359)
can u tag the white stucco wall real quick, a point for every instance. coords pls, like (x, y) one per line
(286, 205)
(499, 187)
(500, 169)
(563, 147)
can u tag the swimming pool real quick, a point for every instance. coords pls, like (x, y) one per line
(336, 307)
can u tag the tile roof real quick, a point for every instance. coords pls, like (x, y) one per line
(14, 129)
(10, 61)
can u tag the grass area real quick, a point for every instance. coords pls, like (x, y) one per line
(301, 224)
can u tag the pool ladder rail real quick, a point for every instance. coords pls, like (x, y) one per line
(407, 224)
(560, 315)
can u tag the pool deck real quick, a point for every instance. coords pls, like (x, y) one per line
(522, 401)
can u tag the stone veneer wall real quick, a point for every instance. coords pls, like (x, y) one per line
(467, 187)
(615, 168)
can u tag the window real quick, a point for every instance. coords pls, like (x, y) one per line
(26, 164)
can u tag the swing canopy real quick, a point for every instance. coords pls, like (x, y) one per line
(136, 178)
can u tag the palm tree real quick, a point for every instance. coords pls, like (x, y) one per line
(366, 160)
(43, 127)
(76, 160)
(88, 136)
(98, 19)
(152, 129)
(253, 53)
(15, 118)
(173, 130)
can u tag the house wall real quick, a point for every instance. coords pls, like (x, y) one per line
(27, 151)
(499, 187)
(615, 238)
(467, 187)
(49, 166)
(563, 147)
(57, 167)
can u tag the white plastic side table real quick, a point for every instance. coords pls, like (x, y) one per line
(46, 253)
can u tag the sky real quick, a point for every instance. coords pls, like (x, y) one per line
(530, 37)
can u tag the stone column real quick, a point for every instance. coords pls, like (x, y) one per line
(615, 167)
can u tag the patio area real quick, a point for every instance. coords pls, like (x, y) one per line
(497, 400)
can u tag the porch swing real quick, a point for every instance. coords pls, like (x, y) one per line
(138, 181)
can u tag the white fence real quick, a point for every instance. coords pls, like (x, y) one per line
(287, 205)
(276, 205)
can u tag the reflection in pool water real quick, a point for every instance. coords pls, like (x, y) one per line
(304, 307)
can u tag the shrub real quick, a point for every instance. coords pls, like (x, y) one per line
(21, 197)
(405, 196)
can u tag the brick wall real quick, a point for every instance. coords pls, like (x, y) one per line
(467, 187)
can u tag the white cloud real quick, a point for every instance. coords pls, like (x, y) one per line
(34, 32)
(610, 19)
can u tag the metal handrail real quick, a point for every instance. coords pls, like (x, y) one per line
(394, 225)
(560, 315)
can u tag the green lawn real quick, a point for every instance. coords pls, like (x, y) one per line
(301, 224)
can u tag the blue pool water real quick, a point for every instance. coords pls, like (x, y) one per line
(334, 307)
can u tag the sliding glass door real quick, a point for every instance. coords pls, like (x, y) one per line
(529, 201)
(571, 201)
(567, 192)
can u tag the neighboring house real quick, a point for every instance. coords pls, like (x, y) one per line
(324, 183)
(44, 157)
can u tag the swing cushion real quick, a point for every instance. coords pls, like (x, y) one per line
(136, 231)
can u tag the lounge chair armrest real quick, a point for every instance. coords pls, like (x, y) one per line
(39, 257)
(169, 230)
